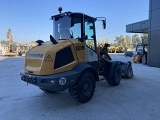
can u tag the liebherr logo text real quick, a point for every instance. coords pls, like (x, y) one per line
(79, 48)
(35, 56)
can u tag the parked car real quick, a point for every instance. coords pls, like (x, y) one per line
(128, 53)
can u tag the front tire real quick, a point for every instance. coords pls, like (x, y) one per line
(129, 73)
(84, 88)
(115, 75)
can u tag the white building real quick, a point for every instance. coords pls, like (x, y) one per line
(2, 48)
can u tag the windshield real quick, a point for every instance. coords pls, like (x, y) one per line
(67, 27)
(140, 48)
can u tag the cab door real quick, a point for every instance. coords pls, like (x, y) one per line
(90, 39)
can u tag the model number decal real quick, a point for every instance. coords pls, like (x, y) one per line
(79, 48)
(62, 81)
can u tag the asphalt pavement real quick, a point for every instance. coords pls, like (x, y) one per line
(134, 99)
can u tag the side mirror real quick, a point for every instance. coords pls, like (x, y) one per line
(103, 19)
(104, 24)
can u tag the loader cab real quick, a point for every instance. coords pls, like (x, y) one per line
(76, 26)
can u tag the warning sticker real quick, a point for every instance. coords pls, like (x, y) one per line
(49, 58)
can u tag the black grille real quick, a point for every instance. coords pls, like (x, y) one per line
(63, 57)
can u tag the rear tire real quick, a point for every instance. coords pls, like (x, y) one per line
(115, 75)
(84, 88)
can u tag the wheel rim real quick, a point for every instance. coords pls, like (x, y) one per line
(87, 87)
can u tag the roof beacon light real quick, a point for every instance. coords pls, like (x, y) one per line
(60, 9)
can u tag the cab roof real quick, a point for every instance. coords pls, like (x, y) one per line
(68, 14)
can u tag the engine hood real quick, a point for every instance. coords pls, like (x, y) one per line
(40, 59)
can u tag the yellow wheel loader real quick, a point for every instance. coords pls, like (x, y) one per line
(141, 51)
(70, 60)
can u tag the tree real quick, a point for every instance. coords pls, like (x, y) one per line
(119, 40)
(144, 38)
(103, 42)
(4, 42)
(127, 43)
(135, 40)
(106, 40)
(128, 40)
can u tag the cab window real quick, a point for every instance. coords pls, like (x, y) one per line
(89, 32)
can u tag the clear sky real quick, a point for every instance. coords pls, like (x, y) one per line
(29, 19)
